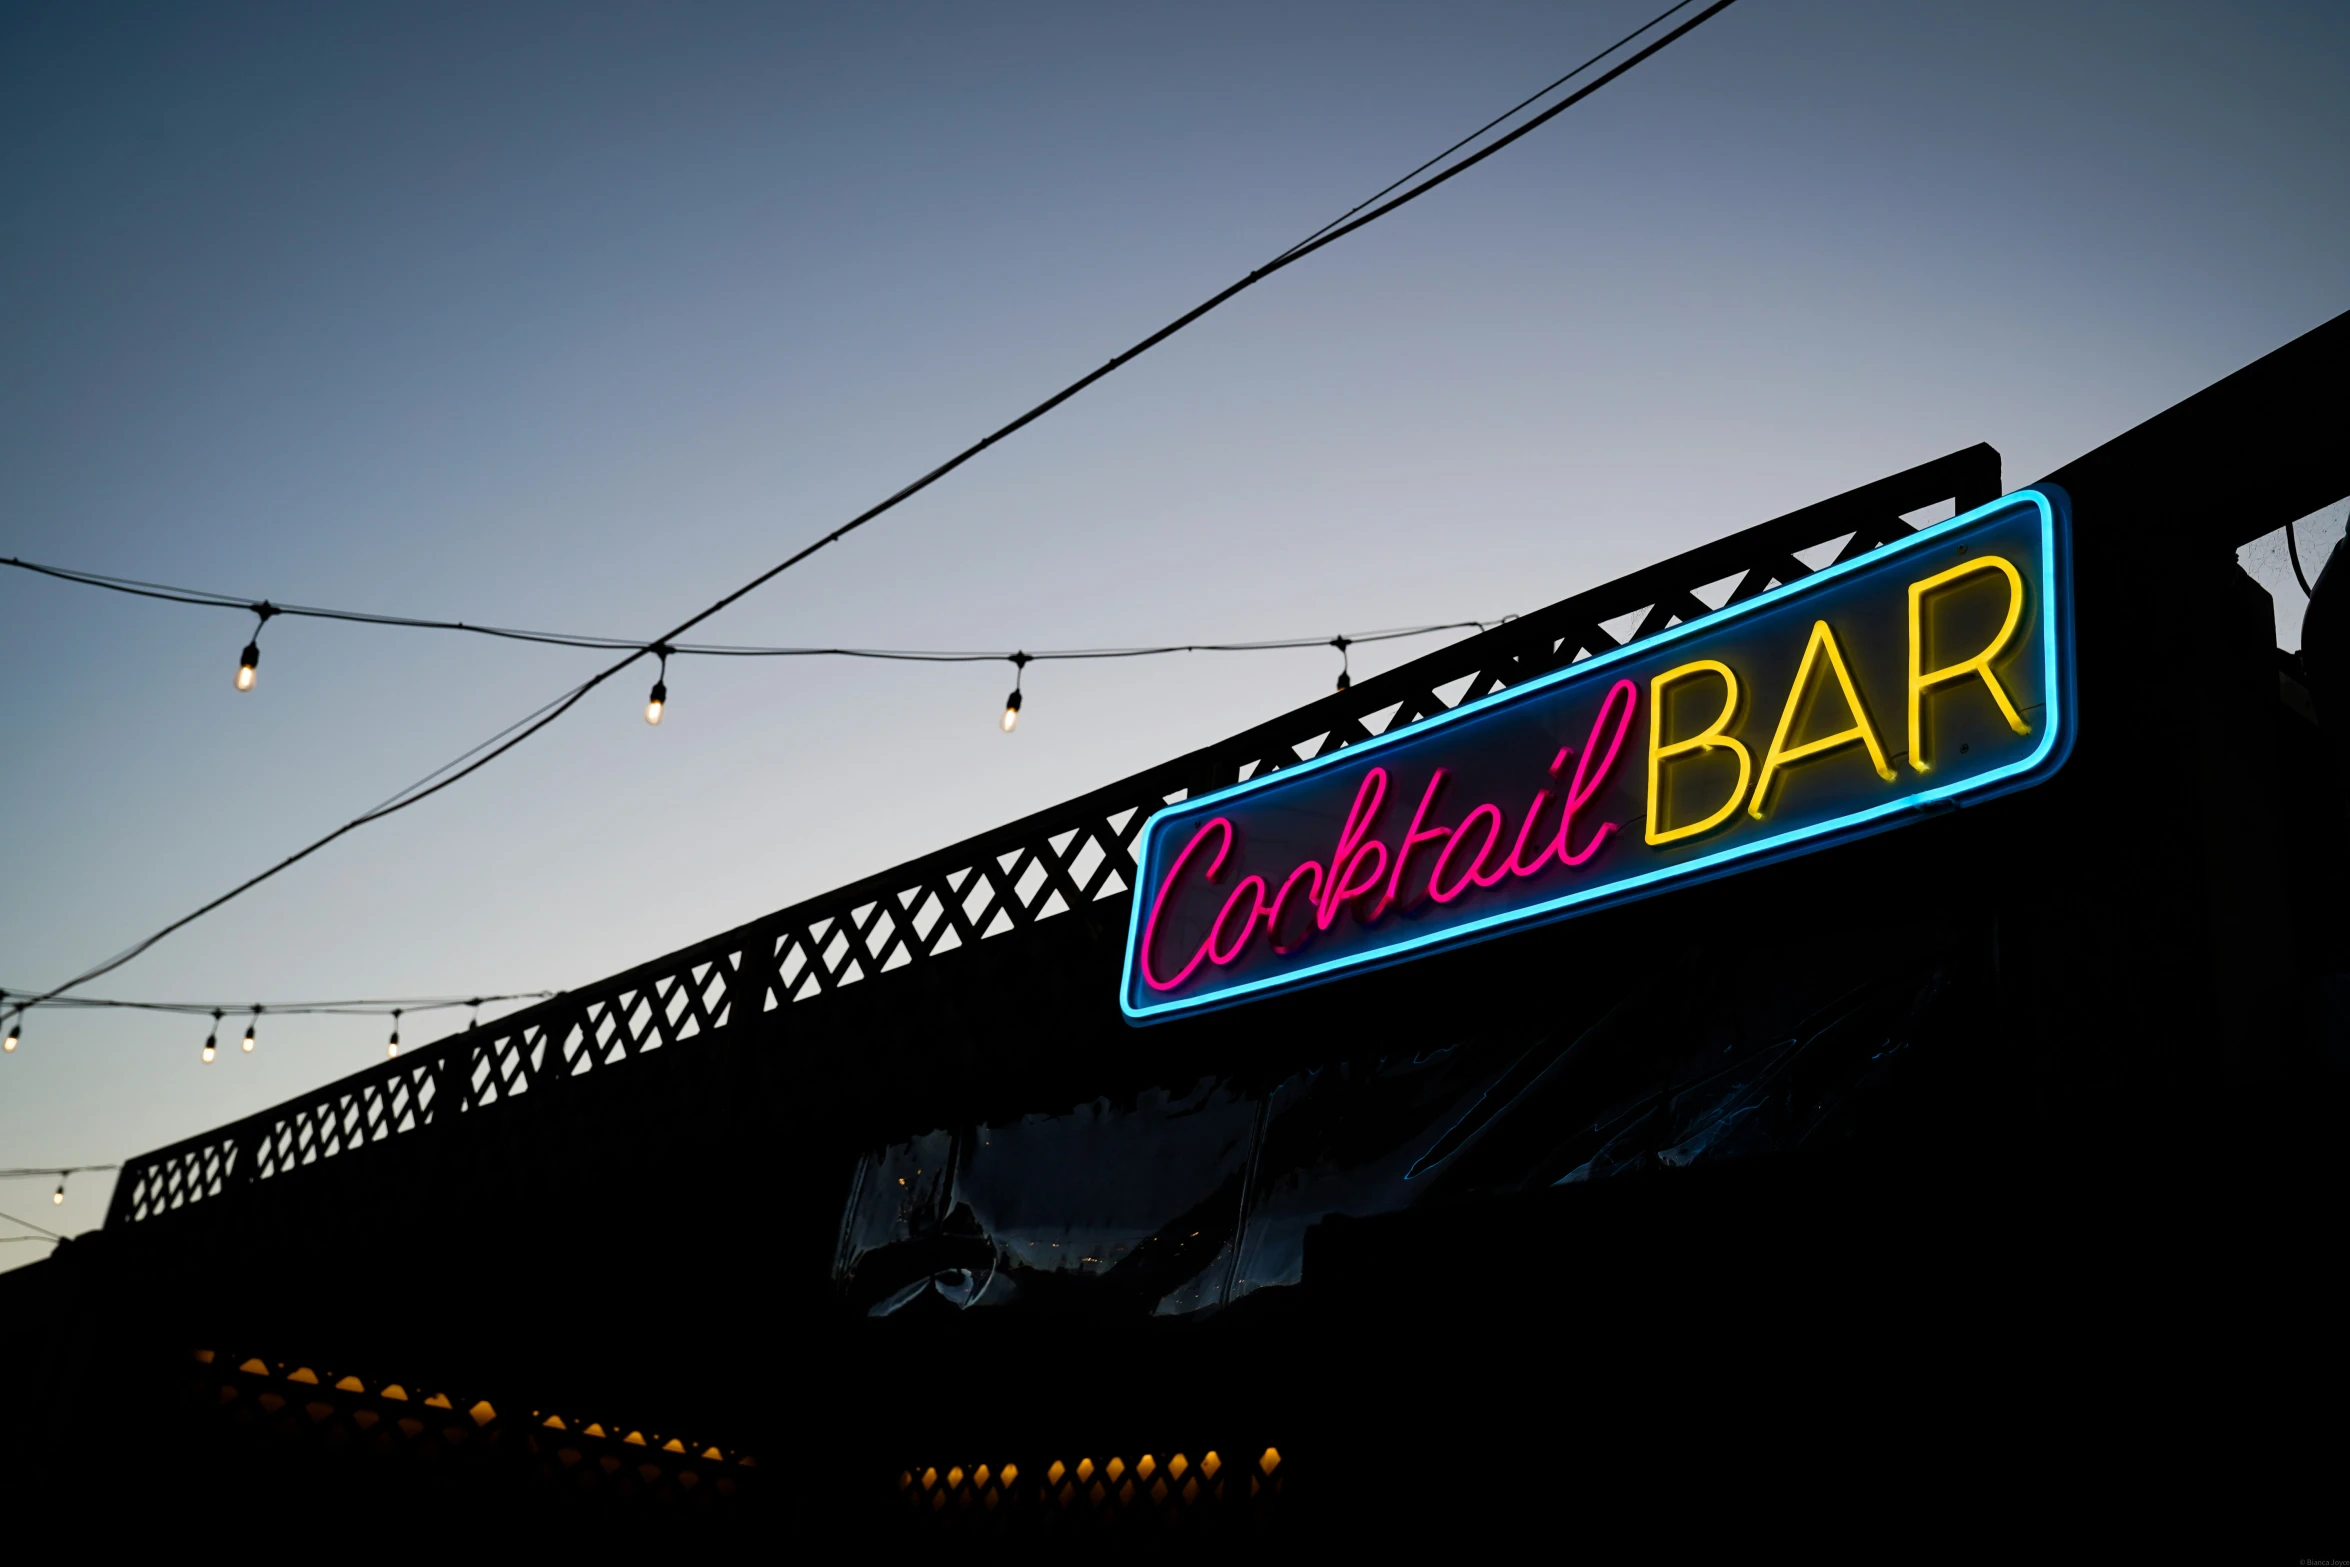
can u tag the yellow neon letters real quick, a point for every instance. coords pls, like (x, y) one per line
(1709, 738)
(1922, 680)
(1781, 753)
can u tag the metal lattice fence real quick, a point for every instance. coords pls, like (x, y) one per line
(1003, 882)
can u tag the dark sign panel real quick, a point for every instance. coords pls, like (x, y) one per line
(1933, 671)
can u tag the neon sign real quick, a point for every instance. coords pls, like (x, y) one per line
(1934, 671)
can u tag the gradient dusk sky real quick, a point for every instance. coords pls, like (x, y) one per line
(577, 315)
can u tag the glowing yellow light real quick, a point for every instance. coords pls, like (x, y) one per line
(1114, 1468)
(1084, 1468)
(1781, 753)
(1011, 1472)
(1210, 1463)
(247, 1046)
(244, 677)
(1922, 680)
(653, 711)
(1710, 738)
(210, 1050)
(57, 1197)
(1053, 1475)
(1012, 713)
(1271, 1461)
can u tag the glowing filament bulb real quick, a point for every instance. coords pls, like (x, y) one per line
(212, 1040)
(247, 1046)
(657, 701)
(1011, 712)
(15, 1029)
(247, 663)
(393, 1048)
(57, 1197)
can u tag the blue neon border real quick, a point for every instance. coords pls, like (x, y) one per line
(2056, 744)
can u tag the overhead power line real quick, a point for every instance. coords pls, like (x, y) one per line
(506, 740)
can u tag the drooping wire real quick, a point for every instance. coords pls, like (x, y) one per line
(523, 730)
(46, 1234)
(2293, 553)
(1679, 5)
(370, 1006)
(740, 650)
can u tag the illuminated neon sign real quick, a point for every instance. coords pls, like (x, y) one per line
(1933, 671)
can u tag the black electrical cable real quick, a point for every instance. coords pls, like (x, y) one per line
(523, 729)
(367, 1007)
(1515, 108)
(720, 649)
(2293, 552)
(59, 1170)
(46, 1234)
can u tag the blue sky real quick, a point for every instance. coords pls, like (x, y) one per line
(576, 316)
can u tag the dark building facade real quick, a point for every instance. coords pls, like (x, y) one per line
(1983, 1163)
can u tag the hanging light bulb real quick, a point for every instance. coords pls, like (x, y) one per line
(57, 1197)
(393, 1048)
(15, 1032)
(212, 1040)
(249, 661)
(247, 1046)
(660, 697)
(1342, 644)
(1020, 662)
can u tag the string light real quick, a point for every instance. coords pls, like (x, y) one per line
(247, 1047)
(1342, 644)
(660, 697)
(15, 1032)
(1356, 218)
(57, 1197)
(393, 1048)
(1020, 662)
(212, 1040)
(249, 662)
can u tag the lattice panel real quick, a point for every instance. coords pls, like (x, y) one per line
(1007, 881)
